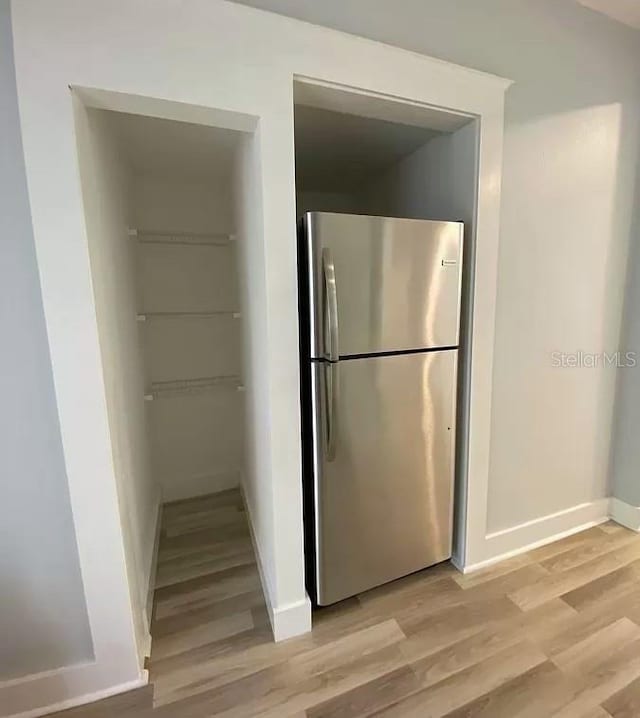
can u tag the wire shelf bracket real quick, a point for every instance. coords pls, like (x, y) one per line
(187, 387)
(184, 239)
(185, 315)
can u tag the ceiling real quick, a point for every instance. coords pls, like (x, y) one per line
(625, 11)
(175, 149)
(338, 152)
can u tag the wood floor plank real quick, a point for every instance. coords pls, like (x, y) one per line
(201, 538)
(198, 554)
(132, 704)
(436, 630)
(291, 688)
(499, 586)
(611, 527)
(218, 519)
(554, 633)
(202, 634)
(555, 638)
(466, 685)
(403, 586)
(228, 497)
(187, 620)
(310, 659)
(230, 696)
(204, 590)
(626, 702)
(214, 664)
(595, 712)
(431, 594)
(577, 711)
(495, 637)
(592, 549)
(607, 588)
(178, 574)
(468, 580)
(369, 697)
(584, 656)
(558, 584)
(537, 692)
(348, 648)
(555, 548)
(601, 666)
(415, 603)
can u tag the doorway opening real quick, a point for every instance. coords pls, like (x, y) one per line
(161, 205)
(367, 155)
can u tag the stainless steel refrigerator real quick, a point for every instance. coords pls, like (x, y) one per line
(380, 316)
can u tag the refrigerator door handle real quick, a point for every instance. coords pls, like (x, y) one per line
(331, 306)
(331, 383)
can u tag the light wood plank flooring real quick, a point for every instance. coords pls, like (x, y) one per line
(555, 632)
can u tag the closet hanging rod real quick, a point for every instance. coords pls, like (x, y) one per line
(181, 387)
(142, 317)
(189, 239)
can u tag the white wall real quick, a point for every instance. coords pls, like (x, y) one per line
(258, 482)
(572, 127)
(43, 617)
(107, 190)
(215, 79)
(256, 472)
(196, 438)
(163, 202)
(308, 201)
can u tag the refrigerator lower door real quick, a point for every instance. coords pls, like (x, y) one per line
(383, 463)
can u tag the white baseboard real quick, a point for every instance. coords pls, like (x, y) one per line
(504, 544)
(291, 620)
(287, 621)
(151, 581)
(625, 514)
(187, 487)
(57, 690)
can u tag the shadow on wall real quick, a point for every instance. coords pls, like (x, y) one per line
(624, 455)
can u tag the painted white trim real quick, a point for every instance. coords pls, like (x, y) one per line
(43, 693)
(150, 583)
(291, 620)
(286, 621)
(153, 565)
(625, 514)
(539, 532)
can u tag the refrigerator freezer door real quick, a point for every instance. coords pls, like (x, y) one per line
(395, 283)
(383, 464)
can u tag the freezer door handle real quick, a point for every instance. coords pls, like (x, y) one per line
(332, 387)
(330, 307)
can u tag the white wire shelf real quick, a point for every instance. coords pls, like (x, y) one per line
(182, 387)
(184, 239)
(182, 315)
